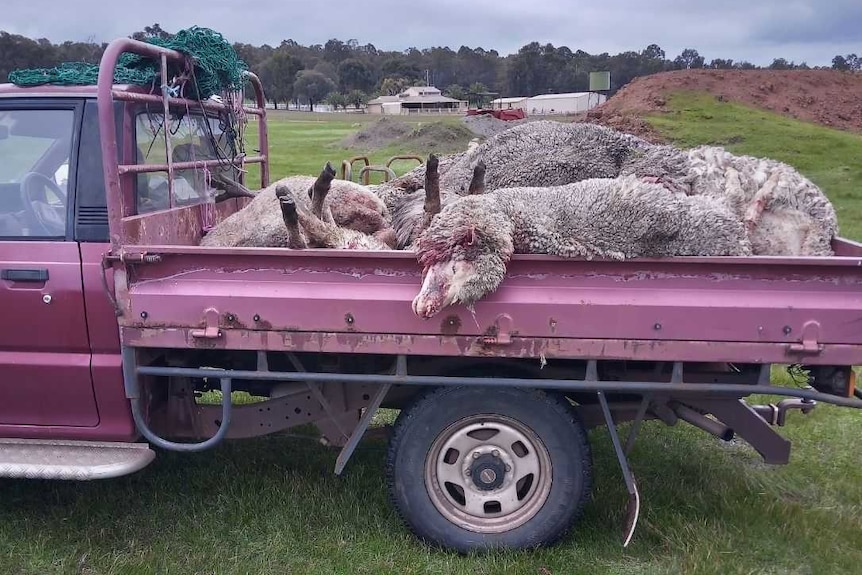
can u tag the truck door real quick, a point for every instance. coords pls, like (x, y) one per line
(44, 350)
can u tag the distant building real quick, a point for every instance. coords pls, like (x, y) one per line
(509, 103)
(416, 100)
(384, 105)
(568, 103)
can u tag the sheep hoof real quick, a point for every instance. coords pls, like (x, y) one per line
(329, 170)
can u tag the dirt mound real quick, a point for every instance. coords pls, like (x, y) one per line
(438, 136)
(827, 97)
(381, 133)
(485, 125)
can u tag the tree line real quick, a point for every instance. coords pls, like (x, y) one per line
(349, 73)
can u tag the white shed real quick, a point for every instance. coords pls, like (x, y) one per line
(509, 103)
(568, 103)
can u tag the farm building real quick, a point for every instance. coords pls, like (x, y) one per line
(569, 103)
(384, 105)
(416, 100)
(509, 103)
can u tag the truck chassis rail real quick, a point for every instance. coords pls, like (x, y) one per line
(724, 400)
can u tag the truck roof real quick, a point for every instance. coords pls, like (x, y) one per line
(8, 90)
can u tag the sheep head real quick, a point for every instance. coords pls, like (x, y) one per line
(464, 253)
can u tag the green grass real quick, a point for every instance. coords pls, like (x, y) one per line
(272, 504)
(302, 142)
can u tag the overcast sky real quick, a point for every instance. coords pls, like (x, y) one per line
(753, 30)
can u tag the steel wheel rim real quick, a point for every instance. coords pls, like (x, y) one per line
(474, 450)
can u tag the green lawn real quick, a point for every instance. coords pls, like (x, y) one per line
(302, 143)
(273, 506)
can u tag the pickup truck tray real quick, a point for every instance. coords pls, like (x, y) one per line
(743, 309)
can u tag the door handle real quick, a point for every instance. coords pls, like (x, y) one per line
(40, 275)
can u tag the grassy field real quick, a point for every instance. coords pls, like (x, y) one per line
(273, 506)
(302, 142)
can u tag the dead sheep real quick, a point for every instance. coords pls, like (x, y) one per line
(544, 153)
(465, 250)
(339, 203)
(540, 153)
(785, 213)
(414, 211)
(306, 229)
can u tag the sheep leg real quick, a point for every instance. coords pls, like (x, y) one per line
(320, 234)
(291, 221)
(761, 198)
(230, 188)
(733, 189)
(477, 183)
(318, 192)
(432, 187)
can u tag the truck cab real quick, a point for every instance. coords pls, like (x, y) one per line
(59, 356)
(60, 364)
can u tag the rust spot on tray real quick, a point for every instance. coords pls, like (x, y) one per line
(230, 319)
(261, 323)
(450, 325)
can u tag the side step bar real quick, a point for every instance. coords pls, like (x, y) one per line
(76, 460)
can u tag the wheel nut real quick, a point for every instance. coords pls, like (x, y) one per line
(475, 455)
(495, 453)
(468, 473)
(508, 468)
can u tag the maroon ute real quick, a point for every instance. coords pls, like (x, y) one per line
(115, 320)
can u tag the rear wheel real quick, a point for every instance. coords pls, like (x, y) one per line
(472, 468)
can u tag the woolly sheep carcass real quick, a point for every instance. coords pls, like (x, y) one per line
(540, 153)
(414, 211)
(338, 203)
(465, 249)
(784, 212)
(307, 229)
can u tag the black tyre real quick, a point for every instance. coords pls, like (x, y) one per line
(472, 468)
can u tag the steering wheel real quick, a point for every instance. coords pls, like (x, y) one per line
(33, 185)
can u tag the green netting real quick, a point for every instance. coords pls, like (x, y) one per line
(216, 66)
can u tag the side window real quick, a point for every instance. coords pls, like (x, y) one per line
(193, 137)
(35, 147)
